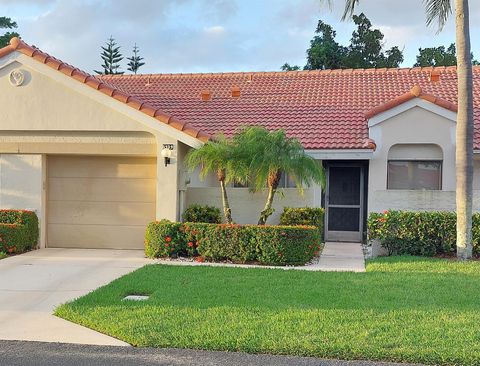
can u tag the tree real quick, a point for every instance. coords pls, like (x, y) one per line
(325, 52)
(439, 56)
(268, 154)
(7, 23)
(218, 156)
(440, 10)
(287, 67)
(111, 57)
(135, 62)
(366, 47)
(365, 50)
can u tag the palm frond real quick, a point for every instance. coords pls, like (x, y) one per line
(438, 10)
(349, 8)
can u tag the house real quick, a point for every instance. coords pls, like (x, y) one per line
(99, 157)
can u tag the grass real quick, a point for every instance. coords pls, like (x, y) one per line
(3, 255)
(402, 309)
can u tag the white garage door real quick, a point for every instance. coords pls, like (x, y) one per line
(99, 201)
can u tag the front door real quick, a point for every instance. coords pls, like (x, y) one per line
(344, 203)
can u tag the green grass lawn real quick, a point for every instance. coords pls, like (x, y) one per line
(402, 309)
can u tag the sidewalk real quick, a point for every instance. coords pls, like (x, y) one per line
(335, 257)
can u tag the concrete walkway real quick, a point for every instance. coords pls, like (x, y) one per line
(335, 257)
(33, 284)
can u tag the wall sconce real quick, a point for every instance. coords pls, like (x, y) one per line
(166, 153)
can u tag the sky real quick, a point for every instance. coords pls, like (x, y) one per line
(184, 36)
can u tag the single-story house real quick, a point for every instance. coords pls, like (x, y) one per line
(98, 157)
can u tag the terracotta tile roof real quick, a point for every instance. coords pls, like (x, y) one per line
(415, 92)
(112, 90)
(324, 109)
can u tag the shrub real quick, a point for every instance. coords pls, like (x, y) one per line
(425, 233)
(18, 231)
(309, 216)
(164, 239)
(270, 245)
(200, 213)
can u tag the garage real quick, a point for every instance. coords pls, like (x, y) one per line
(99, 201)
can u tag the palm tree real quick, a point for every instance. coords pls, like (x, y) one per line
(268, 155)
(440, 10)
(217, 156)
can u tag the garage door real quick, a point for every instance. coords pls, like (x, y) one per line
(99, 201)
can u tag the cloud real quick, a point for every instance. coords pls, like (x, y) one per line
(213, 35)
(215, 30)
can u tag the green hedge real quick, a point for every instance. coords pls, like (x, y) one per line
(419, 233)
(309, 216)
(202, 213)
(18, 231)
(270, 245)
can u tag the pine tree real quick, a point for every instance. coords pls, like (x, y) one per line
(111, 57)
(135, 62)
(7, 23)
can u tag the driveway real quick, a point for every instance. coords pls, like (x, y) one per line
(32, 285)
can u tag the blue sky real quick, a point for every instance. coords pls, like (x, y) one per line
(214, 35)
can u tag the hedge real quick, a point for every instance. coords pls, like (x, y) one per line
(269, 245)
(308, 216)
(18, 231)
(424, 233)
(202, 213)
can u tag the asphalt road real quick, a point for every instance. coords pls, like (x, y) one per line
(19, 353)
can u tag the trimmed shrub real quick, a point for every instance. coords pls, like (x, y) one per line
(305, 216)
(200, 213)
(164, 239)
(424, 233)
(18, 231)
(270, 245)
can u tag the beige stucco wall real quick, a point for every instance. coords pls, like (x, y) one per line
(22, 183)
(414, 126)
(60, 115)
(246, 206)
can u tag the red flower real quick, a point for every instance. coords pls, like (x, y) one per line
(168, 239)
(190, 244)
(200, 259)
(385, 212)
(166, 245)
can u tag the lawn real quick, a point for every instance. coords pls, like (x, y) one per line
(402, 309)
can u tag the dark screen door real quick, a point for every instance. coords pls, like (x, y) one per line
(344, 202)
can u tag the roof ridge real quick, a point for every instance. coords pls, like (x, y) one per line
(97, 83)
(295, 72)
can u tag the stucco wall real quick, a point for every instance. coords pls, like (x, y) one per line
(47, 115)
(246, 206)
(21, 184)
(21, 181)
(414, 126)
(418, 200)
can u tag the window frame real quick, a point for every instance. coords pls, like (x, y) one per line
(440, 177)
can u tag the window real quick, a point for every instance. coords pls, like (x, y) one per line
(412, 174)
(286, 182)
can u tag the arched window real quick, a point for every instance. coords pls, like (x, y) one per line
(415, 167)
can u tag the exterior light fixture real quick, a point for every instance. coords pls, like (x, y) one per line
(166, 153)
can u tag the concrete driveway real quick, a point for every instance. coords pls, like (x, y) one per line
(33, 284)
